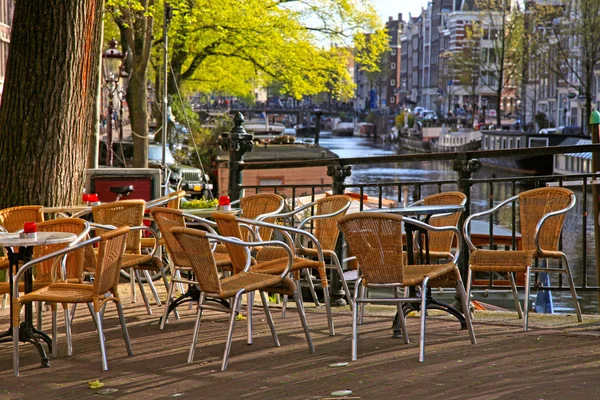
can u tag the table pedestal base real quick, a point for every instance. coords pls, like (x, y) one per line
(192, 294)
(28, 334)
(431, 304)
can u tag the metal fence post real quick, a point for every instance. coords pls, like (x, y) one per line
(464, 169)
(595, 132)
(238, 142)
(338, 173)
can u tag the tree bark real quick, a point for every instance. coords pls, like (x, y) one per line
(47, 111)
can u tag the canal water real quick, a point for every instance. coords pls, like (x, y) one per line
(436, 170)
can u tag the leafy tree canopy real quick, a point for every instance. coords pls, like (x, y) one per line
(235, 46)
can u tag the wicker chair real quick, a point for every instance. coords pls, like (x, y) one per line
(110, 251)
(542, 213)
(166, 219)
(131, 213)
(197, 249)
(440, 243)
(229, 225)
(376, 240)
(12, 220)
(328, 210)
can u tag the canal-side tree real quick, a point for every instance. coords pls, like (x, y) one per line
(47, 110)
(232, 46)
(466, 64)
(502, 22)
(572, 44)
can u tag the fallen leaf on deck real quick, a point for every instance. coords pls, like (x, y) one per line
(95, 384)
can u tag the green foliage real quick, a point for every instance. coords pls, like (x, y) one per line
(541, 120)
(200, 203)
(400, 120)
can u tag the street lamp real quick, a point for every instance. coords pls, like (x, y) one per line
(112, 71)
(518, 109)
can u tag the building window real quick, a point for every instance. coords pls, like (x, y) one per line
(392, 82)
(392, 100)
(393, 66)
(393, 52)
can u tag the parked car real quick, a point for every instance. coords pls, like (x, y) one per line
(428, 115)
(570, 130)
(418, 110)
(188, 178)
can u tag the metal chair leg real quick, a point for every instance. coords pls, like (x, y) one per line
(124, 329)
(284, 305)
(249, 315)
(196, 328)
(364, 293)
(152, 288)
(513, 286)
(526, 300)
(468, 291)
(90, 307)
(340, 272)
(143, 292)
(54, 333)
(572, 287)
(423, 315)
(302, 316)
(101, 340)
(311, 287)
(38, 309)
(163, 320)
(465, 306)
(132, 278)
(68, 323)
(329, 314)
(269, 317)
(15, 335)
(401, 317)
(234, 313)
(357, 287)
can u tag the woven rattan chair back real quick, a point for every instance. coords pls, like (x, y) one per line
(166, 219)
(442, 241)
(108, 264)
(197, 248)
(533, 204)
(258, 204)
(326, 229)
(123, 213)
(175, 199)
(376, 240)
(74, 261)
(228, 226)
(12, 218)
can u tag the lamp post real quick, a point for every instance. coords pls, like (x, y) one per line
(112, 61)
(484, 103)
(564, 111)
(518, 110)
(581, 100)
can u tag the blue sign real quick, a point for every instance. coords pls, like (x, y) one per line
(372, 99)
(450, 82)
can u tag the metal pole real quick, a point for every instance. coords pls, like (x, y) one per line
(165, 116)
(109, 150)
(595, 131)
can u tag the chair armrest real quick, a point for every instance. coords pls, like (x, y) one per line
(545, 217)
(46, 257)
(287, 214)
(466, 230)
(286, 230)
(246, 245)
(432, 228)
(323, 216)
(210, 225)
(62, 259)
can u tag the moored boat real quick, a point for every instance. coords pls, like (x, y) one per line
(533, 165)
(452, 142)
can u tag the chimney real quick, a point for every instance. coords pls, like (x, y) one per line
(399, 16)
(391, 19)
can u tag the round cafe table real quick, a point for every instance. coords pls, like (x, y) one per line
(27, 333)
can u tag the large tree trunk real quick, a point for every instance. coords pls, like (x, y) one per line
(137, 93)
(48, 101)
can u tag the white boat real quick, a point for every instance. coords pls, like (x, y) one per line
(344, 127)
(263, 129)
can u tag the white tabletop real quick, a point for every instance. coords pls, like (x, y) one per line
(42, 238)
(421, 210)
